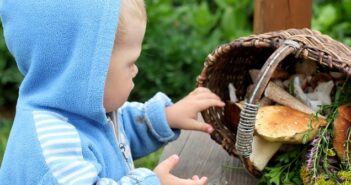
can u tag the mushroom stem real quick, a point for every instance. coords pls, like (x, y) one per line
(263, 151)
(279, 95)
(277, 74)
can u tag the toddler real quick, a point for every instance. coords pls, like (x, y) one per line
(73, 123)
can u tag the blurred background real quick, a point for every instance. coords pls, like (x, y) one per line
(180, 34)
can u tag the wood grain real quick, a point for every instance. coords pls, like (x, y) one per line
(274, 15)
(200, 155)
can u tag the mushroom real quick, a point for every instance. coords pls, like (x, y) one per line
(277, 74)
(342, 125)
(232, 115)
(282, 97)
(232, 110)
(306, 67)
(232, 93)
(278, 94)
(303, 81)
(284, 124)
(262, 151)
(265, 101)
(345, 112)
(276, 125)
(337, 75)
(319, 78)
(319, 96)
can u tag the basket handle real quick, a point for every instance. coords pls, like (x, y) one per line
(246, 126)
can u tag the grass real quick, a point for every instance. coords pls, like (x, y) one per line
(150, 161)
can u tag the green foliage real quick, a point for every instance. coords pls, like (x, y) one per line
(332, 17)
(179, 36)
(150, 161)
(9, 75)
(5, 126)
(285, 168)
(316, 162)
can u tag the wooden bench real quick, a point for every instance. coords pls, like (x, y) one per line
(200, 155)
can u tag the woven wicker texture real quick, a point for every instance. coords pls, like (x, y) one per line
(231, 62)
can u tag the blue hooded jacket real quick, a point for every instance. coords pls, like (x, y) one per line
(61, 133)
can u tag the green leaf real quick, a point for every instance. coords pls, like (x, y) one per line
(328, 16)
(203, 19)
(330, 152)
(274, 175)
(346, 5)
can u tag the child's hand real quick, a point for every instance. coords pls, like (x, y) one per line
(183, 114)
(163, 172)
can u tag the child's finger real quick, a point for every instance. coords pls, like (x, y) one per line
(200, 90)
(195, 177)
(205, 104)
(192, 181)
(207, 95)
(198, 126)
(168, 164)
(203, 180)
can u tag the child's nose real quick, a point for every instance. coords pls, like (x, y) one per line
(135, 71)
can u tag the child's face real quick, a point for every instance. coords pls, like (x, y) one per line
(122, 69)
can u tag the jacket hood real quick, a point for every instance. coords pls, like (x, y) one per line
(63, 49)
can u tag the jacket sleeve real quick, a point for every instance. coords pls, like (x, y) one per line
(146, 125)
(66, 160)
(139, 176)
(88, 175)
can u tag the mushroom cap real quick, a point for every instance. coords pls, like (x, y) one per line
(345, 112)
(341, 126)
(284, 124)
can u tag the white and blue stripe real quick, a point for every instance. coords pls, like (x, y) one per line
(135, 176)
(62, 149)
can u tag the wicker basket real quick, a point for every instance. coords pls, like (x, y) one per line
(230, 63)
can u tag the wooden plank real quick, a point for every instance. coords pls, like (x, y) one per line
(272, 15)
(200, 155)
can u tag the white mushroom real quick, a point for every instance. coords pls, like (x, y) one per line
(263, 151)
(282, 97)
(232, 93)
(298, 91)
(319, 96)
(277, 74)
(337, 75)
(322, 92)
(265, 101)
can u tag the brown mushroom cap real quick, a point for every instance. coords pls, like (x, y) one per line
(284, 124)
(341, 126)
(345, 112)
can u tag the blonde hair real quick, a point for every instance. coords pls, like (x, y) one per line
(129, 8)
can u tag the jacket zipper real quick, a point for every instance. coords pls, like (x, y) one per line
(117, 135)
